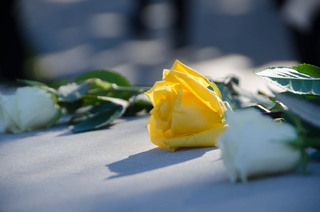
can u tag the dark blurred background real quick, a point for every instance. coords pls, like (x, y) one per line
(57, 39)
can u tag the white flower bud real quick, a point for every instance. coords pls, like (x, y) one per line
(255, 145)
(30, 108)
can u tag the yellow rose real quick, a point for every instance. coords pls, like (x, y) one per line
(188, 111)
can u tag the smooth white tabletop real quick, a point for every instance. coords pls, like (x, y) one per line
(119, 169)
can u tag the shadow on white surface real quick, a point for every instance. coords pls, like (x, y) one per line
(153, 159)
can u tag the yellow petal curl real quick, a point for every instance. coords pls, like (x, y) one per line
(207, 96)
(180, 67)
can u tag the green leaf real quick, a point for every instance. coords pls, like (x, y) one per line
(57, 83)
(96, 104)
(56, 118)
(255, 98)
(94, 100)
(118, 91)
(229, 95)
(304, 161)
(138, 104)
(73, 91)
(100, 116)
(277, 107)
(305, 110)
(96, 83)
(38, 84)
(314, 99)
(238, 97)
(105, 75)
(71, 107)
(308, 69)
(70, 96)
(295, 121)
(259, 108)
(313, 142)
(292, 80)
(88, 112)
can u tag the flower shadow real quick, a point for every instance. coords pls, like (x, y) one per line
(153, 159)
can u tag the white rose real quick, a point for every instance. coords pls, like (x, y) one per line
(255, 145)
(30, 108)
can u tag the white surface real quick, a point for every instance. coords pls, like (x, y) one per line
(119, 169)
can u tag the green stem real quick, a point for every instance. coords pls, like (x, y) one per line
(312, 142)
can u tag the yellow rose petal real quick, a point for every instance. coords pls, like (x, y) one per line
(180, 67)
(190, 115)
(208, 97)
(204, 139)
(156, 135)
(155, 94)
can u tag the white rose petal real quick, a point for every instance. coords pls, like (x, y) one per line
(255, 145)
(28, 109)
(8, 113)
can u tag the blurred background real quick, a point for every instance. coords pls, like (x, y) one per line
(59, 39)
